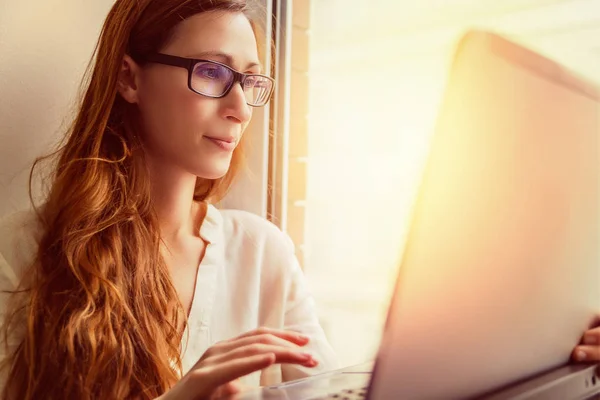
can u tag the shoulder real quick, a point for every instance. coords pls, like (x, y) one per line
(20, 233)
(243, 228)
(251, 242)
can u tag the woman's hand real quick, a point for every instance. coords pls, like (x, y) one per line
(217, 372)
(589, 349)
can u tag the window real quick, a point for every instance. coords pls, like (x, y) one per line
(366, 80)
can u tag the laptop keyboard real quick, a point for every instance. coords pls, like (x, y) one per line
(348, 394)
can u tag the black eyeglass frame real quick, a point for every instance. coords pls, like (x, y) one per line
(190, 63)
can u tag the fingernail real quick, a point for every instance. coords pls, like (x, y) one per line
(313, 363)
(580, 355)
(590, 339)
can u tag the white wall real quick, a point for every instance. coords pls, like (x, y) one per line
(45, 46)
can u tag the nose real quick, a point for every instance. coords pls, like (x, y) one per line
(235, 107)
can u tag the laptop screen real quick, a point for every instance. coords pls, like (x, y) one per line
(500, 274)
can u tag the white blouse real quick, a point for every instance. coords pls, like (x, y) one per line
(249, 277)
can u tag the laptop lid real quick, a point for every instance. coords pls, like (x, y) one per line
(500, 275)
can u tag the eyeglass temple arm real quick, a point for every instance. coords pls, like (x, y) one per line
(170, 60)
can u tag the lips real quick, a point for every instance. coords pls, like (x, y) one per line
(227, 143)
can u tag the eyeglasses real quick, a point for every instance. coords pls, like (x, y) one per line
(214, 79)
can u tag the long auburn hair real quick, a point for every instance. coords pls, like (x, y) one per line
(101, 317)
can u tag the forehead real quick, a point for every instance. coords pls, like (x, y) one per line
(218, 32)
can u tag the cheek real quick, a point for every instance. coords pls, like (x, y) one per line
(172, 115)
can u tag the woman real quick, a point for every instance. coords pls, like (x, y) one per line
(134, 274)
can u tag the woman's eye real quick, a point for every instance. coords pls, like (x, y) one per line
(256, 82)
(210, 72)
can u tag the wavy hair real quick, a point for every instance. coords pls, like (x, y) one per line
(101, 318)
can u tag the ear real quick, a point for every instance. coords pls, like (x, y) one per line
(127, 84)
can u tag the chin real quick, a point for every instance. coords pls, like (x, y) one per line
(212, 176)
(212, 173)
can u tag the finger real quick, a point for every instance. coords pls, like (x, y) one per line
(283, 355)
(265, 338)
(586, 353)
(592, 337)
(293, 338)
(290, 336)
(208, 379)
(228, 389)
(231, 388)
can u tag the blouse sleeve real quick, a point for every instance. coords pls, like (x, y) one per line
(7, 285)
(19, 233)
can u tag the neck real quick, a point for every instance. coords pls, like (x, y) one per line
(173, 200)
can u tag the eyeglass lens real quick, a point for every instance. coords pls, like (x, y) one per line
(214, 80)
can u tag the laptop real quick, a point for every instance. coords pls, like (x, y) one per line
(500, 274)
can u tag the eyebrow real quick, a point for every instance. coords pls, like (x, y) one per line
(228, 58)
